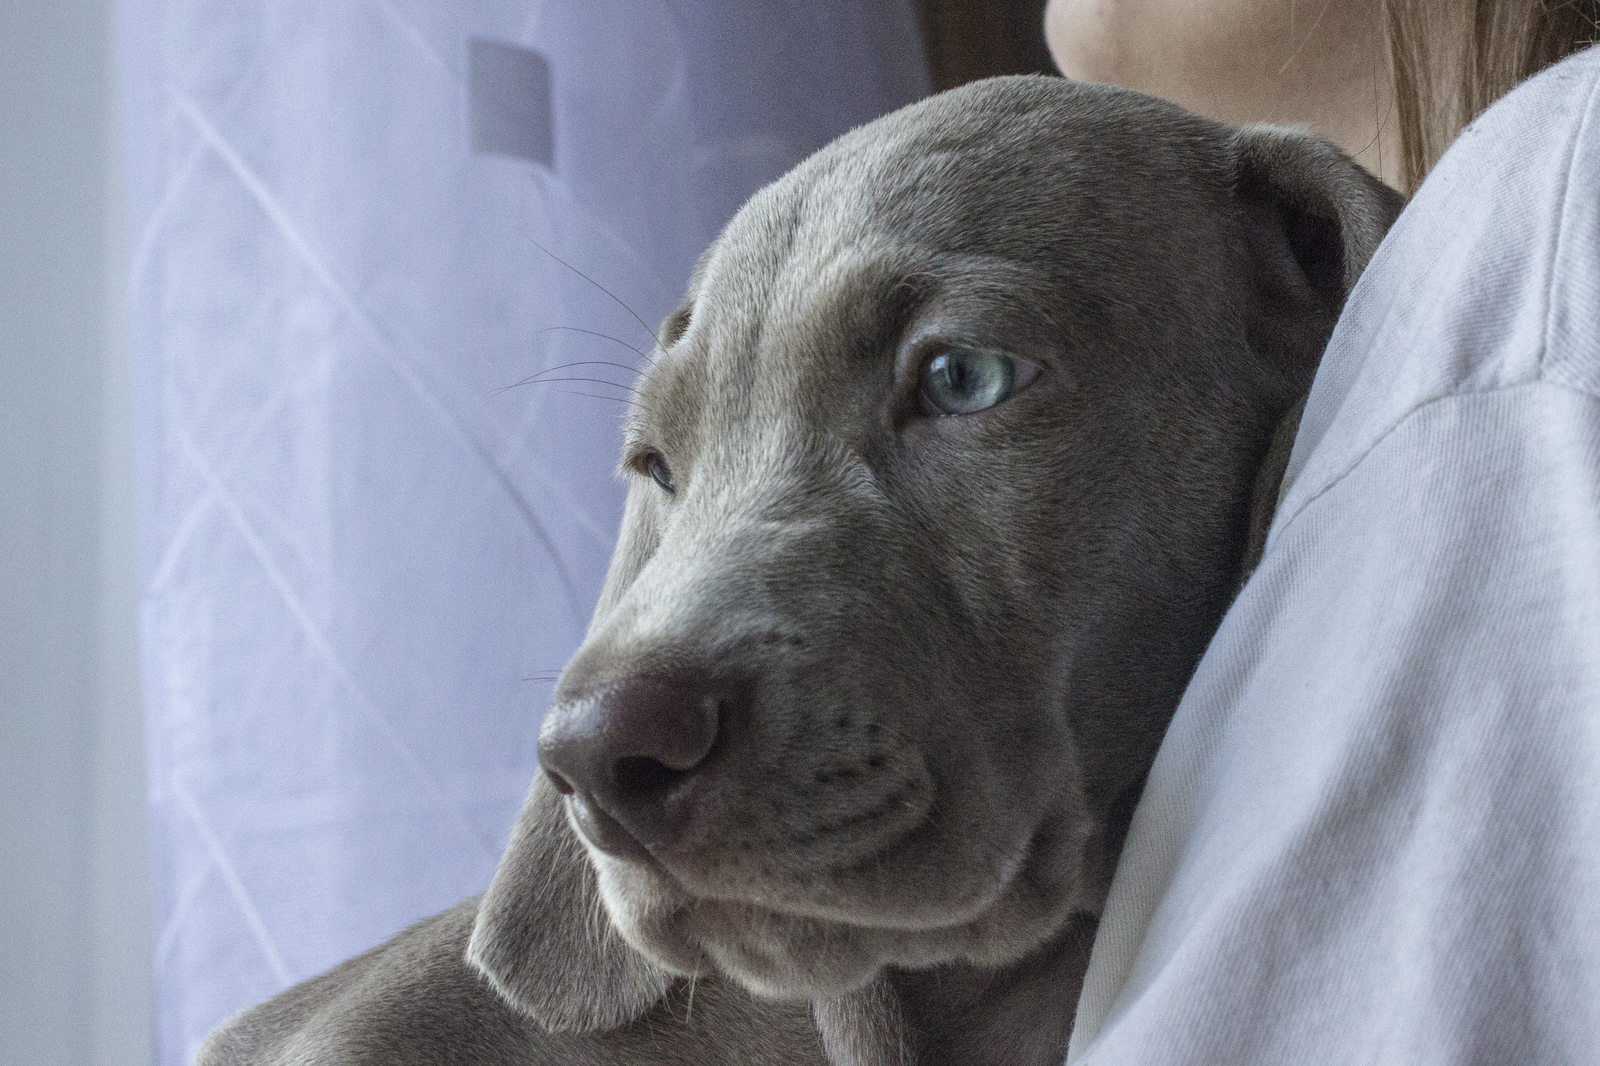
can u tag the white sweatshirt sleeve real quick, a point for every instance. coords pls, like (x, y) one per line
(1372, 833)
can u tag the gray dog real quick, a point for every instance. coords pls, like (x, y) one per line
(944, 474)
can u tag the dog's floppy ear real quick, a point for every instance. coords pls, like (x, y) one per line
(1305, 197)
(1311, 219)
(543, 938)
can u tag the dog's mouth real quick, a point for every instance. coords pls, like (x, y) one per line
(742, 859)
(811, 940)
(818, 836)
(884, 857)
(802, 871)
(604, 834)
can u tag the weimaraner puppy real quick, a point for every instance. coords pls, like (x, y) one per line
(943, 475)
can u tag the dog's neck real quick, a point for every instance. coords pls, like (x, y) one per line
(1269, 484)
(961, 1015)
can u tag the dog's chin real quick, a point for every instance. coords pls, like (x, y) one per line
(780, 953)
(776, 955)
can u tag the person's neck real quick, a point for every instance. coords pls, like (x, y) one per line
(1323, 66)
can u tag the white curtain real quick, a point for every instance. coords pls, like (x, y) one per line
(361, 560)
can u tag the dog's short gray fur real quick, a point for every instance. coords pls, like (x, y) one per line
(965, 635)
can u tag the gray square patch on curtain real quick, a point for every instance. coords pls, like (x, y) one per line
(510, 102)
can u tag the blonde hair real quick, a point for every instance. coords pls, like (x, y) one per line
(1453, 58)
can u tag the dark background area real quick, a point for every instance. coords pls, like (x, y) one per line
(971, 39)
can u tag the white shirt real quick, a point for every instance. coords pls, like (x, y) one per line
(1372, 833)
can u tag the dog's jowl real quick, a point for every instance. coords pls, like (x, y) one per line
(943, 475)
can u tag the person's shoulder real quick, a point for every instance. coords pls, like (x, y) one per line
(1486, 282)
(1578, 74)
(1565, 99)
(1559, 104)
(1583, 65)
(1518, 178)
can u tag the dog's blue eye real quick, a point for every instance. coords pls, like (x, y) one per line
(656, 466)
(959, 381)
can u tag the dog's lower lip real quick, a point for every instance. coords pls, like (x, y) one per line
(603, 832)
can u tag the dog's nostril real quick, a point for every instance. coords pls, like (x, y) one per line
(644, 778)
(630, 748)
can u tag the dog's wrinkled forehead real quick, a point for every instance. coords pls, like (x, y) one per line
(1020, 196)
(1006, 168)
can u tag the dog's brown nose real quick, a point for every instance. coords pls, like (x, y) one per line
(624, 754)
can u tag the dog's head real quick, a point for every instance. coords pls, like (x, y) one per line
(941, 482)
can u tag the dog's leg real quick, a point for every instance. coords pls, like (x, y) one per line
(865, 1027)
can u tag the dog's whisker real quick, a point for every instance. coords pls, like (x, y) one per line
(591, 381)
(533, 379)
(601, 287)
(641, 353)
(586, 362)
(597, 396)
(599, 922)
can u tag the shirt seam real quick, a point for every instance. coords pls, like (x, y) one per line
(1561, 220)
(1532, 383)
(1540, 374)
